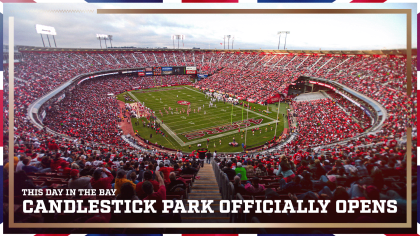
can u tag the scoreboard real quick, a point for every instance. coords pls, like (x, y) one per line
(175, 70)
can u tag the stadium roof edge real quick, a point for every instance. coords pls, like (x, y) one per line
(348, 52)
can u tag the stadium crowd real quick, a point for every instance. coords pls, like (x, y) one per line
(322, 122)
(358, 172)
(98, 157)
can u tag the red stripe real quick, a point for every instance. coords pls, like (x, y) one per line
(402, 234)
(210, 234)
(1, 120)
(52, 234)
(210, 1)
(368, 1)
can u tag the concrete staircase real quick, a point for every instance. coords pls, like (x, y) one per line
(206, 188)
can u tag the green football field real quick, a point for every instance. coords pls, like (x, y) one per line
(220, 124)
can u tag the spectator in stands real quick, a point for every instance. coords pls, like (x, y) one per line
(302, 168)
(56, 162)
(20, 163)
(120, 180)
(77, 182)
(127, 192)
(166, 170)
(148, 177)
(361, 169)
(261, 170)
(177, 170)
(87, 170)
(285, 169)
(229, 171)
(291, 187)
(158, 195)
(270, 170)
(306, 182)
(98, 182)
(249, 170)
(208, 157)
(255, 187)
(46, 162)
(318, 170)
(64, 168)
(239, 187)
(175, 184)
(133, 177)
(28, 168)
(327, 166)
(240, 170)
(189, 170)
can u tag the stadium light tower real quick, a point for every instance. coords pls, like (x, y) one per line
(48, 30)
(110, 39)
(282, 32)
(104, 37)
(228, 38)
(287, 32)
(178, 37)
(233, 38)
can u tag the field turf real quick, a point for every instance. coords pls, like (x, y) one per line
(178, 126)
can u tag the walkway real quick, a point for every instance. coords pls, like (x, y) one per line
(206, 188)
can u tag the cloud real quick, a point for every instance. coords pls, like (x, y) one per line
(206, 31)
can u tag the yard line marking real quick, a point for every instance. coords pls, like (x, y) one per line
(238, 106)
(225, 134)
(176, 138)
(217, 124)
(211, 127)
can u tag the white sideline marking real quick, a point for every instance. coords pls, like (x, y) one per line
(164, 126)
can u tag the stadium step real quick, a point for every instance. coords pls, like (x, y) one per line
(205, 188)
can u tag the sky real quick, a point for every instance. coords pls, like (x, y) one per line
(307, 32)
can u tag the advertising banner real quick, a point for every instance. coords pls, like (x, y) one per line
(141, 74)
(61, 98)
(166, 68)
(149, 73)
(179, 70)
(322, 84)
(273, 99)
(251, 100)
(149, 69)
(191, 68)
(191, 72)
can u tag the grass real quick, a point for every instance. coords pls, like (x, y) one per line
(180, 125)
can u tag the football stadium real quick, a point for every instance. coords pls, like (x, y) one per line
(209, 124)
